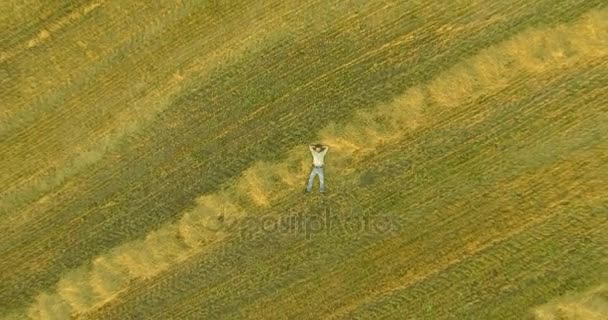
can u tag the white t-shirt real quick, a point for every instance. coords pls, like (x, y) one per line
(317, 157)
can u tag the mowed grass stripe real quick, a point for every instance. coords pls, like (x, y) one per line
(89, 249)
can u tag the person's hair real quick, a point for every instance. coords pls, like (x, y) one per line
(318, 145)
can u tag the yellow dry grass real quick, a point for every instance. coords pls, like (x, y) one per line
(532, 51)
(45, 165)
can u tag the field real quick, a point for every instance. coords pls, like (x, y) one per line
(153, 158)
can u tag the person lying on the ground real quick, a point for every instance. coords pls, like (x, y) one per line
(318, 154)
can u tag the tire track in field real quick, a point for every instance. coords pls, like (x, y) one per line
(261, 175)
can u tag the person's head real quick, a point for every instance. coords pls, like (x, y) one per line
(319, 147)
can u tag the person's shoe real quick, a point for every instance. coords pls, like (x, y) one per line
(306, 191)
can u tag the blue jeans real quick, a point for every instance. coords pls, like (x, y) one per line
(316, 171)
